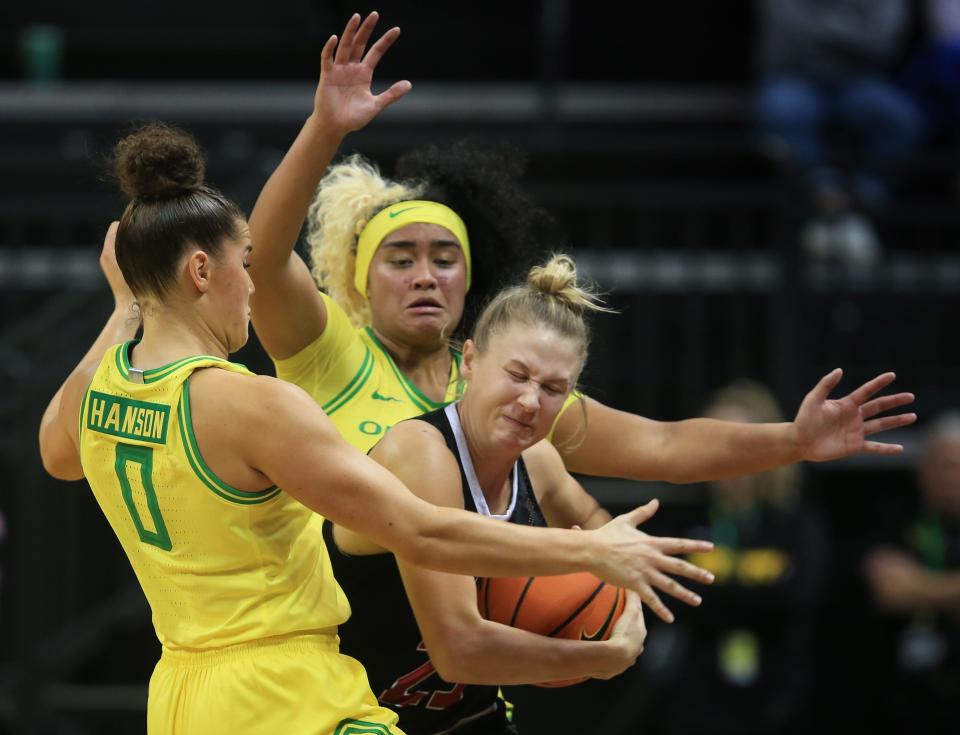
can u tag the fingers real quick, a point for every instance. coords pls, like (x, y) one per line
(381, 46)
(363, 36)
(888, 422)
(881, 449)
(110, 238)
(672, 546)
(643, 513)
(863, 393)
(396, 91)
(654, 603)
(684, 569)
(821, 391)
(326, 54)
(885, 403)
(345, 46)
(673, 588)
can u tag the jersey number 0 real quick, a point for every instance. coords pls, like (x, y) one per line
(142, 457)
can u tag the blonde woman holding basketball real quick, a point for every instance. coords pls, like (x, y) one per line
(438, 663)
(208, 476)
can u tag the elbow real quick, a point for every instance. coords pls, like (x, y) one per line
(457, 664)
(60, 470)
(58, 464)
(458, 651)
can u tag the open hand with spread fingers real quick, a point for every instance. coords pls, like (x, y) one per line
(831, 428)
(344, 101)
(640, 562)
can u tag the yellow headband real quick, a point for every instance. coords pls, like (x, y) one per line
(400, 215)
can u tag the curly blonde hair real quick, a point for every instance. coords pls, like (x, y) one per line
(348, 196)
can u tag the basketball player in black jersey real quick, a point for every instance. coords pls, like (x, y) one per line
(436, 661)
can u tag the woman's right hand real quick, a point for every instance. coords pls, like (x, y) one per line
(627, 637)
(344, 101)
(636, 561)
(122, 295)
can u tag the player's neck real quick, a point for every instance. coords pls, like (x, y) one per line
(168, 337)
(426, 366)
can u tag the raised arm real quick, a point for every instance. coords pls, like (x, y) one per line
(59, 440)
(614, 443)
(287, 311)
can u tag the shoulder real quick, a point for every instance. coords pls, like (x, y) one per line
(412, 442)
(250, 403)
(417, 453)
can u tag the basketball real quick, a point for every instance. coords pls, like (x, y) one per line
(573, 606)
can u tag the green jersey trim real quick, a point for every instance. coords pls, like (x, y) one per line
(200, 468)
(83, 411)
(158, 373)
(362, 727)
(413, 393)
(355, 384)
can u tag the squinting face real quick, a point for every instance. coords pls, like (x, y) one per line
(417, 284)
(518, 385)
(231, 289)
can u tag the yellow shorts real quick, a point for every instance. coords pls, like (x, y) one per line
(296, 686)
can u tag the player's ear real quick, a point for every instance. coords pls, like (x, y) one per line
(467, 358)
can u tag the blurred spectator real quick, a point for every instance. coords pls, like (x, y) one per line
(745, 660)
(933, 77)
(824, 66)
(919, 582)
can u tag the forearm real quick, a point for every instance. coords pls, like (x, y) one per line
(57, 450)
(454, 541)
(605, 442)
(493, 654)
(699, 450)
(282, 205)
(940, 591)
(121, 326)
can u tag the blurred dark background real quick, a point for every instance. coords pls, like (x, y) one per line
(641, 140)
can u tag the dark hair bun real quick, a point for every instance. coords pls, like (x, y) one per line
(158, 161)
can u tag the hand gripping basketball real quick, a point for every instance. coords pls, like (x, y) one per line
(637, 561)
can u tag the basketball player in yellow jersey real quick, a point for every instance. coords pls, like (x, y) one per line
(208, 476)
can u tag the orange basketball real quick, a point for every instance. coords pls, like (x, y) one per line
(574, 606)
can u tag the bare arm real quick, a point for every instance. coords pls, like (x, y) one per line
(287, 311)
(900, 583)
(467, 649)
(282, 436)
(59, 435)
(614, 443)
(463, 646)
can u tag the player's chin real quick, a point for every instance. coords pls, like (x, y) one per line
(240, 338)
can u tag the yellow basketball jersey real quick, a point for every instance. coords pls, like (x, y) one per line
(219, 566)
(356, 382)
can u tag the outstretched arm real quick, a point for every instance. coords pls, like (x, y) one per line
(295, 446)
(611, 443)
(59, 442)
(287, 311)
